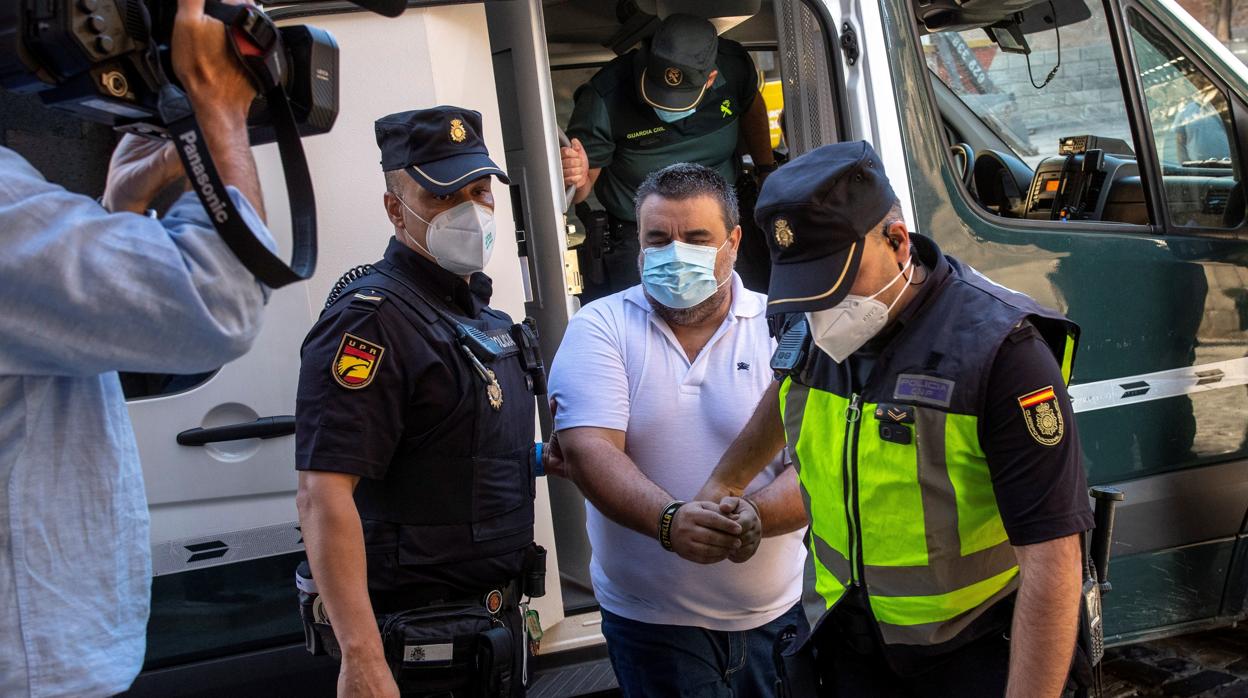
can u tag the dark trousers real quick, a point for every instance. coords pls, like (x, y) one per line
(680, 661)
(846, 669)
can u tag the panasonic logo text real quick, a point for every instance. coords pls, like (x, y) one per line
(199, 175)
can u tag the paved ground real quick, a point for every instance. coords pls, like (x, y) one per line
(1213, 663)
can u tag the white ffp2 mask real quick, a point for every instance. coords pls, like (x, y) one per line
(461, 238)
(841, 330)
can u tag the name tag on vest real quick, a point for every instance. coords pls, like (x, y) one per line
(917, 388)
(506, 343)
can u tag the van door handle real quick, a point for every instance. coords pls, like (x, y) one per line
(262, 428)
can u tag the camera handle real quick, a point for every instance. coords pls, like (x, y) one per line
(256, 43)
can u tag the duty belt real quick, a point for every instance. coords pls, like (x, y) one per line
(319, 634)
(495, 600)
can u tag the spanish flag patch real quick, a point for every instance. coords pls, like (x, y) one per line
(1043, 416)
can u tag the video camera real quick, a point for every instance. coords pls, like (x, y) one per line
(110, 61)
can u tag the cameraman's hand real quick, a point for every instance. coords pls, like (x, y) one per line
(206, 65)
(140, 169)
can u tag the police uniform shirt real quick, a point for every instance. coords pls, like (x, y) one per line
(356, 429)
(623, 135)
(1041, 489)
(376, 387)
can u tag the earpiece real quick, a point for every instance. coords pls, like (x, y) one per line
(894, 243)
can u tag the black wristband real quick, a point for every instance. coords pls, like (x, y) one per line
(665, 523)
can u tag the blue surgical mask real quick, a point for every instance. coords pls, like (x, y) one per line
(680, 275)
(672, 117)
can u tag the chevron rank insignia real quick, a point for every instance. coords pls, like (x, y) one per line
(1043, 416)
(356, 362)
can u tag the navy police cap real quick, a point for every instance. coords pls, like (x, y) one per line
(816, 212)
(441, 148)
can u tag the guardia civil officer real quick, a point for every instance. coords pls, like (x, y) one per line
(685, 96)
(414, 436)
(926, 409)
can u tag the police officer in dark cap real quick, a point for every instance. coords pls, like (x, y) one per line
(685, 96)
(414, 439)
(926, 409)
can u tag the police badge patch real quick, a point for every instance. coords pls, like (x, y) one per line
(1043, 416)
(784, 234)
(458, 132)
(355, 364)
(493, 390)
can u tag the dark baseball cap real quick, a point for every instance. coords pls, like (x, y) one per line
(441, 148)
(816, 212)
(680, 58)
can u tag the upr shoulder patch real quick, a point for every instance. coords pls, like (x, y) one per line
(1043, 416)
(355, 364)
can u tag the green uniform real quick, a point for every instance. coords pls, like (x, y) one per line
(623, 135)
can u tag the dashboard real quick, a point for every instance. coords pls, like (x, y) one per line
(1091, 179)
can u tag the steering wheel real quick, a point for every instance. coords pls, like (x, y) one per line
(964, 153)
(570, 195)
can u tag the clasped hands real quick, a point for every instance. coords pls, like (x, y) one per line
(718, 524)
(708, 531)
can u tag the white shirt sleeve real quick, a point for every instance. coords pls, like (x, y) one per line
(588, 381)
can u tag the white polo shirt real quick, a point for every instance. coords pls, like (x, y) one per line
(620, 367)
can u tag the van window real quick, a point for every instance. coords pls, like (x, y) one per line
(1084, 97)
(1030, 115)
(1191, 123)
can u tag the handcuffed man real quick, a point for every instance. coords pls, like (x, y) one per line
(651, 385)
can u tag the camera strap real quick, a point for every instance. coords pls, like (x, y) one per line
(259, 58)
(197, 161)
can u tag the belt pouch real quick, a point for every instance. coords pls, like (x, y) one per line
(535, 572)
(440, 648)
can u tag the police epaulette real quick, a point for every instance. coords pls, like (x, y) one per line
(368, 298)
